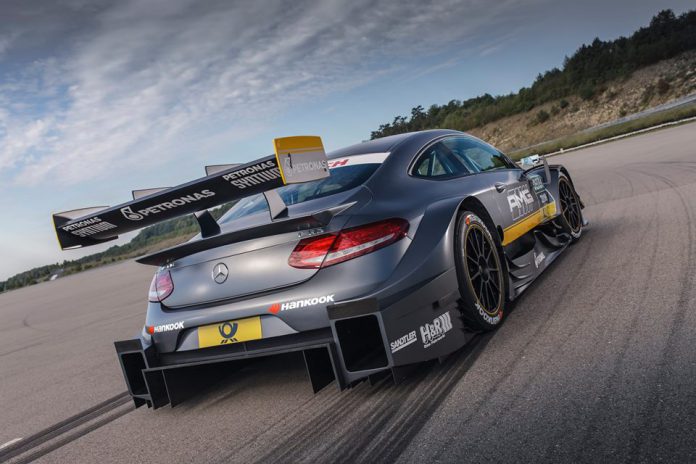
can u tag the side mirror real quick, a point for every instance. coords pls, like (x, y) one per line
(547, 172)
(530, 160)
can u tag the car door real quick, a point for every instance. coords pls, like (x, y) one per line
(502, 181)
(441, 161)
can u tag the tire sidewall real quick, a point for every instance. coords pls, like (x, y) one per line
(566, 226)
(473, 311)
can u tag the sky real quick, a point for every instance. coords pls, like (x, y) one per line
(100, 97)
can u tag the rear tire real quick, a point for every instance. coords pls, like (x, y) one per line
(481, 273)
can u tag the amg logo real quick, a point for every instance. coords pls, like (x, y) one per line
(253, 175)
(520, 201)
(433, 333)
(129, 214)
(403, 342)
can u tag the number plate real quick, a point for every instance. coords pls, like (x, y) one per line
(225, 333)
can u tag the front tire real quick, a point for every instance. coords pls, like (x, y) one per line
(481, 273)
(571, 212)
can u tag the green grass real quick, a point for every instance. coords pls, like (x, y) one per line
(576, 140)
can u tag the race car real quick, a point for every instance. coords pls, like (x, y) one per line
(368, 260)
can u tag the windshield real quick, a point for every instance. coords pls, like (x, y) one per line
(341, 178)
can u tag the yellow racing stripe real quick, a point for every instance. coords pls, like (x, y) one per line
(518, 229)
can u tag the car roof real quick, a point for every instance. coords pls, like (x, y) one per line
(384, 144)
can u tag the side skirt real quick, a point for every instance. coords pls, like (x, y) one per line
(547, 243)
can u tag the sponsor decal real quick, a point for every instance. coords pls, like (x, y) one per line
(141, 214)
(537, 182)
(338, 163)
(520, 201)
(487, 317)
(274, 308)
(128, 213)
(367, 158)
(88, 227)
(152, 329)
(306, 166)
(253, 175)
(295, 304)
(227, 331)
(538, 258)
(433, 333)
(81, 224)
(404, 341)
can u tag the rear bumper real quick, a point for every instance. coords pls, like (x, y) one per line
(157, 380)
(364, 341)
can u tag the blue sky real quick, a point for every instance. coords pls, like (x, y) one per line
(101, 97)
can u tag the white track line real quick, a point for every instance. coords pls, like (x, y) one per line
(11, 442)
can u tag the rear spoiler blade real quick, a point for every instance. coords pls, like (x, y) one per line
(296, 160)
(311, 221)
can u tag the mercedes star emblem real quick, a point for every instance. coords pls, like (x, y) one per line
(220, 273)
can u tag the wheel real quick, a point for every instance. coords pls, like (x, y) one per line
(571, 213)
(481, 273)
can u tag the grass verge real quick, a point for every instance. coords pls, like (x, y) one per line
(571, 141)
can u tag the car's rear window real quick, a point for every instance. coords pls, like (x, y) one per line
(342, 177)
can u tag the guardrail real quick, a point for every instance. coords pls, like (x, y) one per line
(616, 137)
(534, 159)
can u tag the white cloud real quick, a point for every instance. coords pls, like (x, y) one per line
(5, 43)
(142, 77)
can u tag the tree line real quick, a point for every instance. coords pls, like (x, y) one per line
(583, 74)
(146, 239)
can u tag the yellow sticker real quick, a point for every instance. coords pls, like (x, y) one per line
(298, 144)
(225, 333)
(301, 158)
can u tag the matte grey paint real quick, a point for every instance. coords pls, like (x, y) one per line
(389, 274)
(413, 280)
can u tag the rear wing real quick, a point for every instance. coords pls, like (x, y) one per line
(296, 160)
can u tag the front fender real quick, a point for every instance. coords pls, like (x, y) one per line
(552, 186)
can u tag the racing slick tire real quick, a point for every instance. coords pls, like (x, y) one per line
(570, 219)
(481, 273)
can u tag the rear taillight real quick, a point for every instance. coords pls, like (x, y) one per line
(310, 252)
(326, 250)
(161, 287)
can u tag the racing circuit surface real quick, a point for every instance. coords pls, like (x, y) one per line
(596, 362)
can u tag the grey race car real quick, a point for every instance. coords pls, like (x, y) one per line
(371, 259)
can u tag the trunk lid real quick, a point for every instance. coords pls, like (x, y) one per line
(252, 266)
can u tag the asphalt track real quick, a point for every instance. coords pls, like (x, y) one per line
(595, 363)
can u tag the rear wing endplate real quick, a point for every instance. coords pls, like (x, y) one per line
(296, 160)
